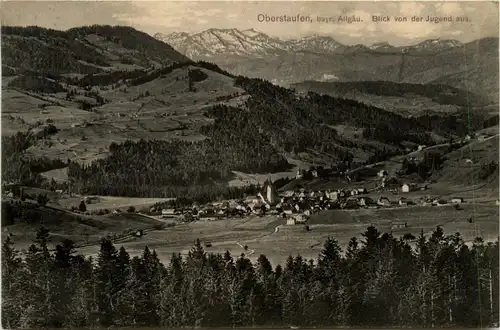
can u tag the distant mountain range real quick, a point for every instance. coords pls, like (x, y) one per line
(471, 66)
(251, 42)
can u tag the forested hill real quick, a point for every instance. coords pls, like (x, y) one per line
(253, 138)
(441, 94)
(381, 281)
(89, 49)
(281, 105)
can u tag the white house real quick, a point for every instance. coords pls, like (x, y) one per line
(405, 188)
(333, 195)
(457, 200)
(384, 201)
(290, 221)
(299, 174)
(168, 212)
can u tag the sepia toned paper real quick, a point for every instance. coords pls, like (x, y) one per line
(270, 164)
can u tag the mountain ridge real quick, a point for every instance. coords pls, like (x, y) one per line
(239, 42)
(470, 65)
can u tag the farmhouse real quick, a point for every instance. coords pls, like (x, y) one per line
(398, 224)
(382, 173)
(299, 218)
(168, 212)
(384, 201)
(405, 188)
(362, 191)
(439, 202)
(91, 199)
(403, 201)
(333, 196)
(457, 200)
(290, 221)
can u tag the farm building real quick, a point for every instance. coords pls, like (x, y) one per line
(299, 218)
(384, 201)
(457, 200)
(91, 199)
(382, 173)
(398, 225)
(333, 195)
(362, 191)
(206, 217)
(497, 202)
(405, 188)
(439, 202)
(403, 201)
(290, 221)
(168, 212)
(287, 209)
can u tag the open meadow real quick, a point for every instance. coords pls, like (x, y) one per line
(270, 236)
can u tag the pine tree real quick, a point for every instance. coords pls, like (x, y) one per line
(11, 285)
(39, 284)
(106, 287)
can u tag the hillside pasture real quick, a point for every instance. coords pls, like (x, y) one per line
(112, 202)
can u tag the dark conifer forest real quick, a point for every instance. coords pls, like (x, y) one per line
(378, 281)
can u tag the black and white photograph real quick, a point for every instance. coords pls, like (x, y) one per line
(249, 164)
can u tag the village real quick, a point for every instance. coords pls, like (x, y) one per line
(296, 206)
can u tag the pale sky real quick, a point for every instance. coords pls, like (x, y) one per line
(195, 16)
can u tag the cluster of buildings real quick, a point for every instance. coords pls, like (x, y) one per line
(295, 207)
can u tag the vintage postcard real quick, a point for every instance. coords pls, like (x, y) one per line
(237, 164)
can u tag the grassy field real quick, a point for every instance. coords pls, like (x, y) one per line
(261, 236)
(112, 203)
(83, 229)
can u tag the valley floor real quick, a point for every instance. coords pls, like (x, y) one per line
(270, 236)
